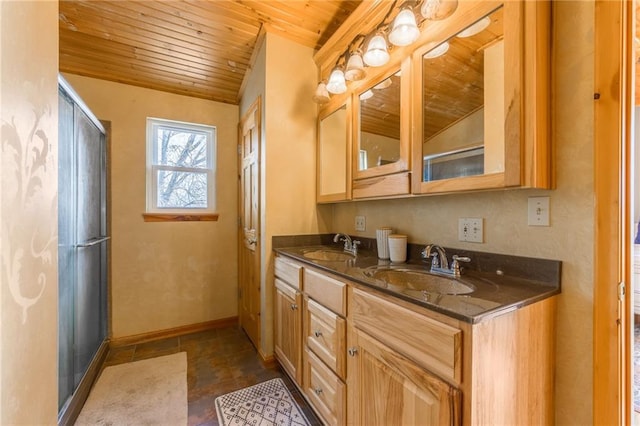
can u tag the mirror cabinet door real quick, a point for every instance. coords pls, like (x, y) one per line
(333, 169)
(462, 108)
(381, 143)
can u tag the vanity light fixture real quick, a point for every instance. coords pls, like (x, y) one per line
(405, 29)
(377, 53)
(474, 29)
(439, 50)
(436, 10)
(355, 67)
(321, 96)
(337, 84)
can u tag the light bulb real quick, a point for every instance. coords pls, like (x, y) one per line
(435, 10)
(337, 83)
(376, 54)
(405, 30)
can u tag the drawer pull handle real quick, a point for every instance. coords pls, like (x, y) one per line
(294, 306)
(318, 391)
(352, 351)
(317, 333)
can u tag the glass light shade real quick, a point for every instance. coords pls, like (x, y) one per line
(475, 28)
(366, 95)
(355, 67)
(436, 10)
(405, 30)
(321, 95)
(376, 54)
(383, 84)
(439, 50)
(337, 84)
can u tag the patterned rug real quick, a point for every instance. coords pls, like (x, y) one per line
(264, 404)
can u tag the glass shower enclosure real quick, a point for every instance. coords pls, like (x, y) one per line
(83, 241)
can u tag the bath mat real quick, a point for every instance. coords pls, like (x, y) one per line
(148, 392)
(267, 403)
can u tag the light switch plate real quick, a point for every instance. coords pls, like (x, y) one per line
(471, 229)
(360, 223)
(538, 211)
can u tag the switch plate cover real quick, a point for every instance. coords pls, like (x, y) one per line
(538, 211)
(360, 223)
(471, 229)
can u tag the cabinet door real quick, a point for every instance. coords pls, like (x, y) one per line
(385, 388)
(288, 331)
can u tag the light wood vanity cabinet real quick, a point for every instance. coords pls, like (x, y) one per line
(288, 317)
(368, 358)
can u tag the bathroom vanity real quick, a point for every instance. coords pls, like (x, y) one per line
(366, 346)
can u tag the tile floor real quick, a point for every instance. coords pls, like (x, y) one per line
(218, 361)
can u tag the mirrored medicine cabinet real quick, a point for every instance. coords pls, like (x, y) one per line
(466, 109)
(333, 153)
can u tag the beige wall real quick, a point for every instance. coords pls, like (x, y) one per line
(169, 274)
(570, 236)
(284, 75)
(29, 213)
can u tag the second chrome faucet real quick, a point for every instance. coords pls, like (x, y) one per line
(350, 246)
(440, 263)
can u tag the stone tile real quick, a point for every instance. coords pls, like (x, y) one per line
(218, 362)
(157, 346)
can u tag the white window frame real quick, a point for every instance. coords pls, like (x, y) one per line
(153, 124)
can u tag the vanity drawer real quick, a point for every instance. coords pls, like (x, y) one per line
(330, 292)
(324, 390)
(430, 343)
(325, 334)
(289, 271)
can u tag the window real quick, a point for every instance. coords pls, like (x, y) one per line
(180, 167)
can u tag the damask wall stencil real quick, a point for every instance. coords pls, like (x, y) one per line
(28, 232)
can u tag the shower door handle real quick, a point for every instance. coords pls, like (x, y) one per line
(93, 242)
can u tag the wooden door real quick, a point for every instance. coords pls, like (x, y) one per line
(385, 388)
(249, 223)
(288, 329)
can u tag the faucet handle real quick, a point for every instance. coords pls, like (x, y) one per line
(435, 260)
(354, 246)
(455, 263)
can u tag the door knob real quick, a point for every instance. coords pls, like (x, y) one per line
(352, 351)
(294, 306)
(317, 333)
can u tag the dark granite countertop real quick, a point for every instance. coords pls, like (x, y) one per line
(499, 283)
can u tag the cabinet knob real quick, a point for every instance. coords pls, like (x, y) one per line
(294, 306)
(352, 351)
(318, 391)
(317, 333)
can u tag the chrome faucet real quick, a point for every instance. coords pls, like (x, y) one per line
(349, 245)
(440, 263)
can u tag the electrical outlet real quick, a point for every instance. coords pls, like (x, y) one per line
(360, 223)
(470, 229)
(538, 211)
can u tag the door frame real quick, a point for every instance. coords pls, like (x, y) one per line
(612, 177)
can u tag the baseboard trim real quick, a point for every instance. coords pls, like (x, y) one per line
(172, 332)
(70, 412)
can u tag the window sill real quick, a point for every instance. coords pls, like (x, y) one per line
(180, 217)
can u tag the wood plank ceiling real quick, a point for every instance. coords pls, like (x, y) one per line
(190, 47)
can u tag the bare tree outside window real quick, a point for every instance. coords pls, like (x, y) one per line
(181, 166)
(178, 148)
